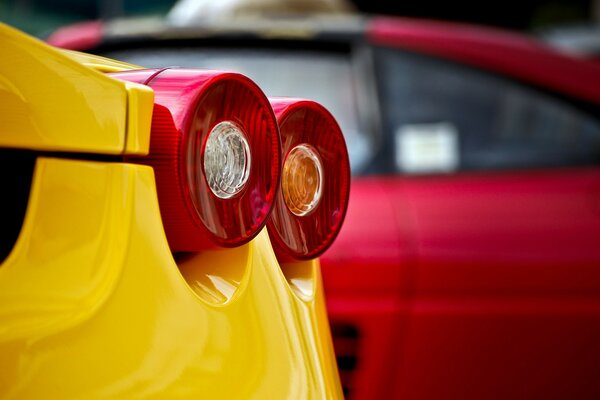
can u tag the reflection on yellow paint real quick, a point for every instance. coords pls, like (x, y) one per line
(93, 305)
(51, 101)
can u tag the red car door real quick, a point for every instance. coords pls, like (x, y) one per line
(505, 298)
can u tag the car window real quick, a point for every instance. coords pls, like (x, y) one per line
(321, 76)
(439, 116)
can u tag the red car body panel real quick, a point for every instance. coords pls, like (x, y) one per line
(365, 281)
(80, 36)
(477, 285)
(495, 50)
(488, 287)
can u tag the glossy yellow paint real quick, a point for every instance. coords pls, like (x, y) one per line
(93, 305)
(101, 64)
(50, 101)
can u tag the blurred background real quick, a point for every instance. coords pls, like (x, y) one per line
(40, 17)
(468, 266)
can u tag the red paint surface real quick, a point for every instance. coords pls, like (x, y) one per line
(481, 285)
(80, 36)
(508, 53)
(366, 272)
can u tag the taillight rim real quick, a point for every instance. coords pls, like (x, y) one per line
(236, 202)
(285, 109)
(189, 104)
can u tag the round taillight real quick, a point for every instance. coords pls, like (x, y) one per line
(310, 208)
(216, 153)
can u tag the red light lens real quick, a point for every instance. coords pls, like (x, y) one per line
(311, 206)
(216, 153)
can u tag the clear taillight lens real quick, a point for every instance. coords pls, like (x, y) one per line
(227, 160)
(312, 203)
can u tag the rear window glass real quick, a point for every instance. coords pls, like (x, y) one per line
(442, 117)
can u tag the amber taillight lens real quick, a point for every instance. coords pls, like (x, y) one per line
(302, 179)
(312, 203)
(216, 153)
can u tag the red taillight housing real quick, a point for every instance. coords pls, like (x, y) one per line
(216, 153)
(312, 203)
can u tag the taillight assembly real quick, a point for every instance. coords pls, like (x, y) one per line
(221, 151)
(216, 154)
(315, 182)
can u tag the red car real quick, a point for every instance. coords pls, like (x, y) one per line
(469, 263)
(579, 40)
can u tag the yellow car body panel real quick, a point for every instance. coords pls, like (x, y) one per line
(51, 102)
(101, 64)
(93, 304)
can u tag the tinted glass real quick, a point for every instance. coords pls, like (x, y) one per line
(441, 117)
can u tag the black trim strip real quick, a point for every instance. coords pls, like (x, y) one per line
(16, 175)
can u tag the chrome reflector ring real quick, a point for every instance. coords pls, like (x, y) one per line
(227, 160)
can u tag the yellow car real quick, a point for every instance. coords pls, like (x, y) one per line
(160, 232)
